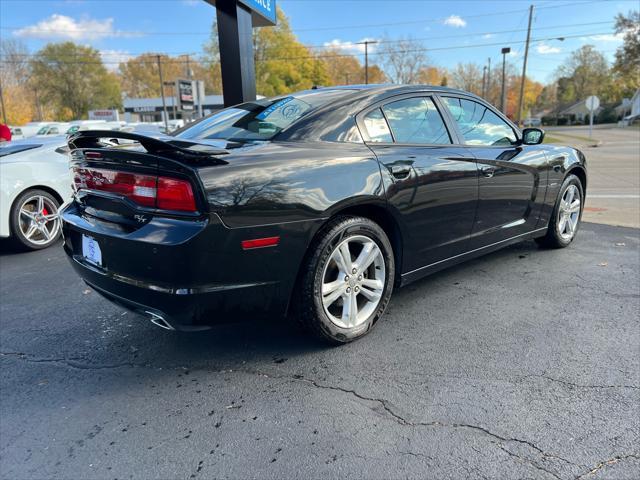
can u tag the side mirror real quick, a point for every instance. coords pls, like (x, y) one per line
(532, 136)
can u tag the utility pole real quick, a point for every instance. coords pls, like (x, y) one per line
(4, 111)
(164, 104)
(366, 44)
(484, 81)
(503, 91)
(488, 78)
(524, 67)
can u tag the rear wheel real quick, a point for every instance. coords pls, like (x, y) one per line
(34, 220)
(566, 216)
(347, 279)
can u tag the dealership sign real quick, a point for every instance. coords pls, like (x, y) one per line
(263, 12)
(265, 8)
(185, 95)
(108, 115)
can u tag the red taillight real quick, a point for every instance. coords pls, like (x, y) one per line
(174, 194)
(146, 190)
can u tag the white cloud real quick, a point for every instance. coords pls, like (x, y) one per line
(544, 49)
(609, 37)
(354, 47)
(455, 21)
(488, 35)
(514, 53)
(112, 58)
(63, 27)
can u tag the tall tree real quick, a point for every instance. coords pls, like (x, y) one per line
(627, 63)
(468, 77)
(72, 79)
(431, 75)
(139, 76)
(14, 81)
(341, 67)
(402, 59)
(283, 64)
(586, 73)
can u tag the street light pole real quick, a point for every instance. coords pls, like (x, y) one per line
(524, 67)
(503, 92)
(164, 104)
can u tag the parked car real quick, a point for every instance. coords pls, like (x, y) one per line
(318, 203)
(532, 122)
(54, 128)
(34, 181)
(16, 133)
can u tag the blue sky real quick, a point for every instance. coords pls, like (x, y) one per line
(457, 31)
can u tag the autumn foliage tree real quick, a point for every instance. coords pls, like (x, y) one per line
(72, 79)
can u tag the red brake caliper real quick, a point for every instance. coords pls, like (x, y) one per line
(45, 211)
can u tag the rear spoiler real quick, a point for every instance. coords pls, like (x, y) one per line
(175, 150)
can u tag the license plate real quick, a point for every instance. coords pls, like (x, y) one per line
(91, 250)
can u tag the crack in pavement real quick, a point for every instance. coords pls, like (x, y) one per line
(64, 361)
(611, 461)
(386, 406)
(576, 385)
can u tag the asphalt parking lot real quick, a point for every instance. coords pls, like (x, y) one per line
(521, 364)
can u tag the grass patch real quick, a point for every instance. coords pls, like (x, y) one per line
(550, 139)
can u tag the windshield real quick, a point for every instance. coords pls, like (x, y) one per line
(261, 119)
(73, 129)
(43, 131)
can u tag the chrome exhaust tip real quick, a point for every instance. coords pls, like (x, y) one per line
(159, 321)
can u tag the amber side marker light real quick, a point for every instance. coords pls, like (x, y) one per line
(260, 243)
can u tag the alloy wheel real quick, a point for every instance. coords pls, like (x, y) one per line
(38, 220)
(569, 213)
(353, 281)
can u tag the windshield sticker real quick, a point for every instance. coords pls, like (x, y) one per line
(269, 110)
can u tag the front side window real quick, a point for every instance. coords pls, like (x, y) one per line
(478, 124)
(416, 120)
(377, 127)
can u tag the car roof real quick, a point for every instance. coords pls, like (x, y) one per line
(378, 88)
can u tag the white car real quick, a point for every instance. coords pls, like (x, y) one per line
(34, 182)
(54, 128)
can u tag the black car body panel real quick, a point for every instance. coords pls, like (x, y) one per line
(440, 204)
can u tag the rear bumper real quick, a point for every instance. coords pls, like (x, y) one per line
(191, 274)
(182, 308)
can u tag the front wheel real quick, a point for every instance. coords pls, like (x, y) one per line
(566, 216)
(347, 279)
(34, 220)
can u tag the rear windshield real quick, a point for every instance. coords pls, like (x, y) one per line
(261, 119)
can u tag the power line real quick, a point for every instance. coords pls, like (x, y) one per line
(329, 46)
(341, 27)
(340, 55)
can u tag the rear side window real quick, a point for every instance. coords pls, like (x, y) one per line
(377, 127)
(416, 120)
(259, 120)
(478, 124)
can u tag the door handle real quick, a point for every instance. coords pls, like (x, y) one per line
(488, 171)
(400, 171)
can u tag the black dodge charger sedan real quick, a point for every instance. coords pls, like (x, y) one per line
(316, 204)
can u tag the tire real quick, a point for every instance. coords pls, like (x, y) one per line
(328, 315)
(564, 224)
(34, 220)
